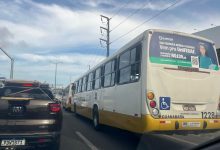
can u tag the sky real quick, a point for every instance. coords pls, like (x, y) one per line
(39, 33)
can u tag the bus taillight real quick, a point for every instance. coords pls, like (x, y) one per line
(153, 104)
(150, 95)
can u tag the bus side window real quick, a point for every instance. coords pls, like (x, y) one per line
(84, 83)
(135, 63)
(73, 88)
(80, 86)
(90, 82)
(113, 72)
(93, 81)
(129, 66)
(124, 67)
(218, 54)
(102, 76)
(76, 86)
(98, 78)
(107, 77)
(109, 73)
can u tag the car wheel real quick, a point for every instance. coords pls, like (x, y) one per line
(96, 119)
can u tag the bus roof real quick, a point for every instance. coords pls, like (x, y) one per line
(181, 33)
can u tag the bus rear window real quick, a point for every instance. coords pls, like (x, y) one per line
(172, 49)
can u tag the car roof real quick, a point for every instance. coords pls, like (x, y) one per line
(20, 82)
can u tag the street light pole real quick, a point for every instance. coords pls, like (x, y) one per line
(12, 69)
(55, 82)
(55, 77)
(12, 63)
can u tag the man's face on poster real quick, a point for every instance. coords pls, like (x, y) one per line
(202, 50)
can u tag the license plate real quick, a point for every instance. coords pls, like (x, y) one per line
(189, 107)
(13, 142)
(191, 124)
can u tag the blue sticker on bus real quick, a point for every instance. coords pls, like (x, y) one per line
(164, 103)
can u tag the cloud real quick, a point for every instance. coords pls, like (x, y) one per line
(41, 67)
(5, 37)
(75, 58)
(3, 57)
(111, 5)
(52, 27)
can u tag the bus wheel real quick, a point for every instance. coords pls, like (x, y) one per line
(96, 118)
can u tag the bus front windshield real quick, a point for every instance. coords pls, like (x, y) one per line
(179, 50)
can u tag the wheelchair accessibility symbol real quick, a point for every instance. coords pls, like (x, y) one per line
(164, 103)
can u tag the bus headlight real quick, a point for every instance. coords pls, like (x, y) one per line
(155, 111)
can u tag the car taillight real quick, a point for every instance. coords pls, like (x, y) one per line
(54, 107)
(27, 84)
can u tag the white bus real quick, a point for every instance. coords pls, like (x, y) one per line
(160, 81)
(67, 99)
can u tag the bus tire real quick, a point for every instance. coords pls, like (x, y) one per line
(95, 118)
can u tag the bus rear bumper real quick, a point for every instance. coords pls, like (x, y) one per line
(180, 125)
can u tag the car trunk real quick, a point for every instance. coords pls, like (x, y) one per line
(26, 115)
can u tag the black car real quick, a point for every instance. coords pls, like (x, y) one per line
(30, 117)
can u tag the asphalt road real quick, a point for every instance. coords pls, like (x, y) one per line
(78, 133)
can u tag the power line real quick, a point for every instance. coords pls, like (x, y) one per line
(120, 9)
(130, 15)
(151, 18)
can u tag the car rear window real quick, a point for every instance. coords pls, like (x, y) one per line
(26, 92)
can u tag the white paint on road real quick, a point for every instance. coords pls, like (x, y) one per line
(86, 141)
(180, 140)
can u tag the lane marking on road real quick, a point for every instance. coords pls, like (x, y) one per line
(180, 140)
(87, 142)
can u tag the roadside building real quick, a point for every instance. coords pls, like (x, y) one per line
(212, 34)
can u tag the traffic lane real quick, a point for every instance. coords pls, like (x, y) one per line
(78, 132)
(107, 138)
(69, 140)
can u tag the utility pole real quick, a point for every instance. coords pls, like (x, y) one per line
(107, 30)
(12, 63)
